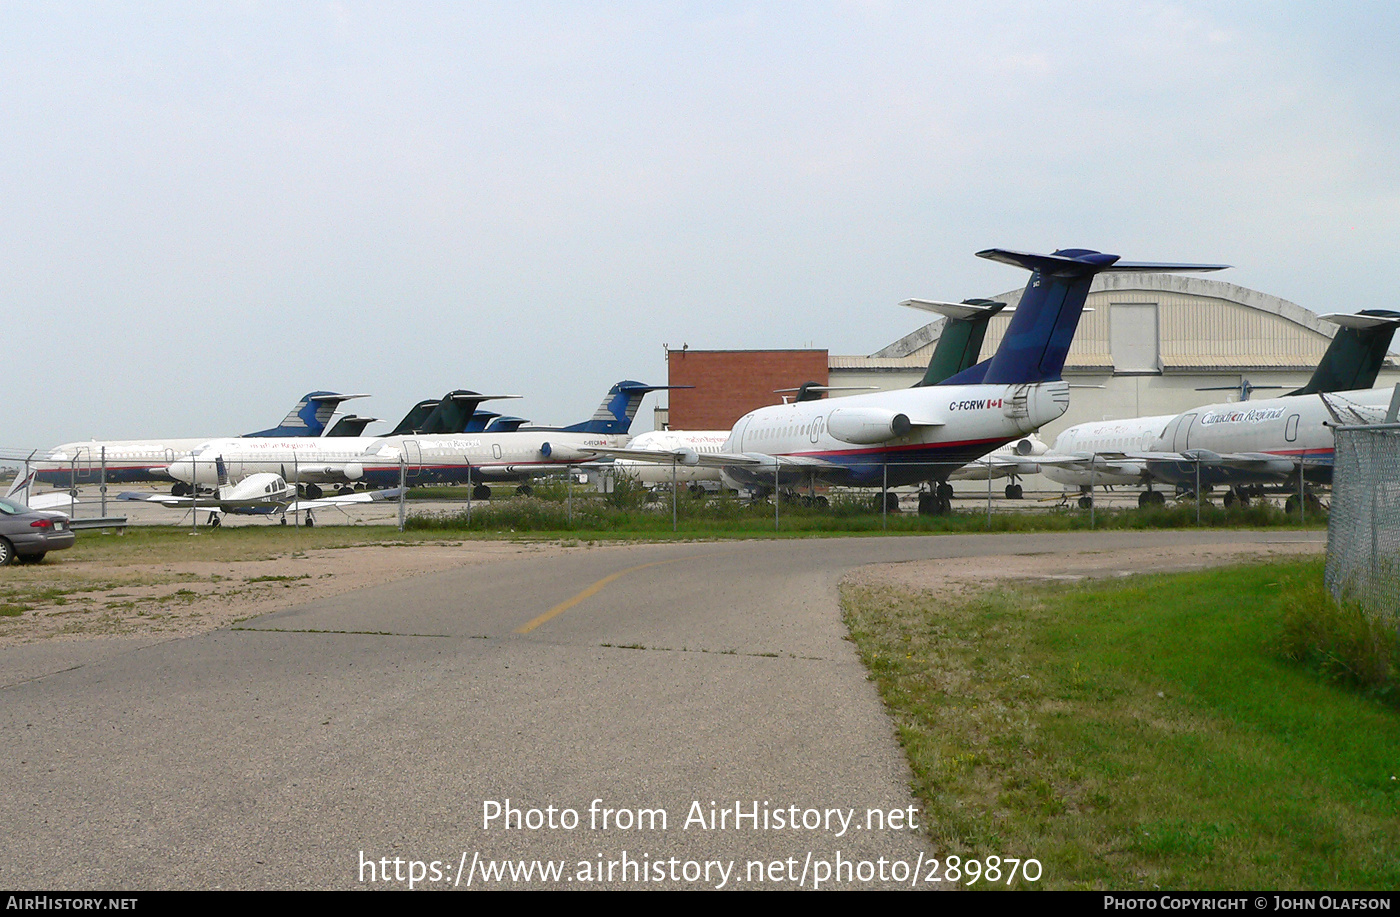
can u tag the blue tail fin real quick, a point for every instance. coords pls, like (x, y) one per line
(615, 414)
(310, 416)
(1037, 340)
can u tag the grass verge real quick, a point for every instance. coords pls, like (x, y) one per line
(1137, 735)
(724, 517)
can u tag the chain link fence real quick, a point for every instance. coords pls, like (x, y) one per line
(1363, 532)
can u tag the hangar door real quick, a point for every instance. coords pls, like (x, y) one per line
(1132, 332)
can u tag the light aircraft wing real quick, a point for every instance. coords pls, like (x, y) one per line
(164, 499)
(364, 496)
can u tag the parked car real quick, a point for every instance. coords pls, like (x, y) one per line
(29, 534)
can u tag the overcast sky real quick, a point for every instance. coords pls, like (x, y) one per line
(210, 209)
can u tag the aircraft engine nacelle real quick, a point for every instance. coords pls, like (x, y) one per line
(1030, 447)
(354, 471)
(864, 426)
(564, 453)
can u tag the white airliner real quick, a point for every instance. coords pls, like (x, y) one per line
(1014, 460)
(1148, 450)
(130, 461)
(1259, 442)
(650, 473)
(475, 458)
(959, 345)
(923, 434)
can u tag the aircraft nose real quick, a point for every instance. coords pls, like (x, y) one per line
(183, 470)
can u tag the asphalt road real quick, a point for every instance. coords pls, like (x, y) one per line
(381, 725)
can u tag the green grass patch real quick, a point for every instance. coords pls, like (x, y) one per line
(591, 516)
(1340, 642)
(1137, 735)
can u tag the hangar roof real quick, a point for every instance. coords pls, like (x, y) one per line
(1201, 326)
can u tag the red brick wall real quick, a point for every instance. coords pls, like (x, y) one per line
(730, 383)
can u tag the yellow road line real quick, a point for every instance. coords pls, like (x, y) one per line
(590, 591)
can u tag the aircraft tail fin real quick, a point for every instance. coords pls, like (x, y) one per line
(413, 420)
(310, 416)
(1038, 338)
(19, 490)
(960, 342)
(618, 409)
(1354, 358)
(480, 421)
(351, 425)
(455, 411)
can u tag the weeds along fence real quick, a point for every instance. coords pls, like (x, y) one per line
(1363, 531)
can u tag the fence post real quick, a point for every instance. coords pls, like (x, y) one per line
(403, 488)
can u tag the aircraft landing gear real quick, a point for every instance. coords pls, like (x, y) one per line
(524, 490)
(1014, 492)
(310, 520)
(935, 503)
(1151, 498)
(214, 521)
(891, 502)
(1086, 501)
(481, 492)
(1313, 504)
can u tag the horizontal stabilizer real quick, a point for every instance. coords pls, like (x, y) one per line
(1363, 321)
(963, 310)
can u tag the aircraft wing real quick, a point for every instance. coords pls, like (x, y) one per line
(1256, 462)
(165, 499)
(691, 458)
(1121, 463)
(996, 466)
(363, 496)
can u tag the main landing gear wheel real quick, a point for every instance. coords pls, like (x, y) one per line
(932, 504)
(481, 492)
(524, 490)
(1232, 497)
(1014, 491)
(1086, 501)
(310, 520)
(214, 520)
(891, 502)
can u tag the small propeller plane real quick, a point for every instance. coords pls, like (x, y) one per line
(262, 494)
